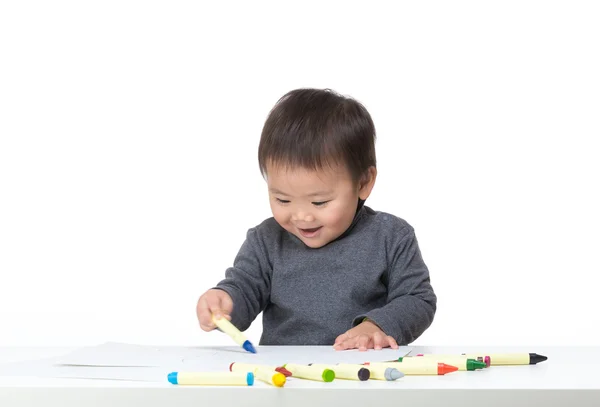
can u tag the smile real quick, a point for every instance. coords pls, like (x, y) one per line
(310, 232)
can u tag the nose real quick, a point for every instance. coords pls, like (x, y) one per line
(302, 216)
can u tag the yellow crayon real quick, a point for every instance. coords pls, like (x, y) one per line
(264, 373)
(347, 371)
(514, 358)
(212, 378)
(424, 367)
(461, 362)
(270, 376)
(380, 372)
(478, 357)
(224, 325)
(310, 373)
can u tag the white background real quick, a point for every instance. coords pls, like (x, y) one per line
(129, 176)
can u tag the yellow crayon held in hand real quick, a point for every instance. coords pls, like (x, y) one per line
(224, 325)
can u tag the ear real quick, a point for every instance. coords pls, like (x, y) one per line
(367, 183)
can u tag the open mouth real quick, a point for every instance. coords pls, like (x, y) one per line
(310, 232)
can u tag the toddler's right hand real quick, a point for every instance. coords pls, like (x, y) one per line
(213, 302)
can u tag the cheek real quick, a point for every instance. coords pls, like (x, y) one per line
(343, 215)
(279, 214)
(336, 217)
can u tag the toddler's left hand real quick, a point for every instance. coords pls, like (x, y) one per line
(363, 336)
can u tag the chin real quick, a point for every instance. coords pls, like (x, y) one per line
(314, 244)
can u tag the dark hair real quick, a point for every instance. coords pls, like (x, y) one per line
(315, 128)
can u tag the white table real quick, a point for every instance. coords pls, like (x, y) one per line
(568, 378)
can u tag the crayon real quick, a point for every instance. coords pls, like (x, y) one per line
(310, 373)
(346, 371)
(266, 374)
(515, 358)
(247, 367)
(212, 378)
(381, 372)
(480, 358)
(485, 359)
(224, 325)
(270, 376)
(462, 362)
(426, 367)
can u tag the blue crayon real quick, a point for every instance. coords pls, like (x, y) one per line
(227, 327)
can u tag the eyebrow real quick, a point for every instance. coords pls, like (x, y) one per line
(318, 193)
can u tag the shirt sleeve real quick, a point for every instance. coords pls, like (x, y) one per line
(248, 281)
(411, 302)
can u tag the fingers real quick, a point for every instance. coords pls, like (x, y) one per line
(204, 315)
(341, 342)
(379, 341)
(213, 302)
(361, 342)
(339, 339)
(346, 344)
(392, 342)
(364, 342)
(222, 304)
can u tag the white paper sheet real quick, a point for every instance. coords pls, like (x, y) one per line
(120, 354)
(121, 361)
(47, 368)
(279, 355)
(128, 355)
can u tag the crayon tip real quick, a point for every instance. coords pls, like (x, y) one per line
(363, 374)
(444, 368)
(283, 371)
(172, 377)
(396, 374)
(484, 359)
(328, 375)
(534, 358)
(473, 364)
(250, 378)
(278, 379)
(249, 347)
(391, 373)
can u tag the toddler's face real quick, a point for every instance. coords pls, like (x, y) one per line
(316, 206)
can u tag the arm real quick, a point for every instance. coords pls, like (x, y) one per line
(248, 282)
(411, 302)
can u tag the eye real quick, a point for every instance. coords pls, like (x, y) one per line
(319, 203)
(283, 201)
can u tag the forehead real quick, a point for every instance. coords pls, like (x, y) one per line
(306, 180)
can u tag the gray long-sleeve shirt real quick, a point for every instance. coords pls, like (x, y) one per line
(310, 296)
